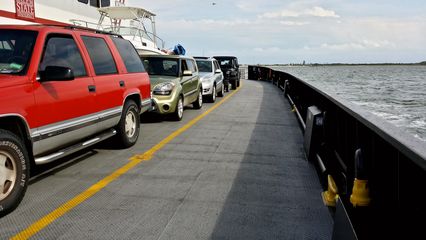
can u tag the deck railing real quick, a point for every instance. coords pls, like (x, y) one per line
(349, 144)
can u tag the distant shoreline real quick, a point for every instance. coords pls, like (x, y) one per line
(347, 64)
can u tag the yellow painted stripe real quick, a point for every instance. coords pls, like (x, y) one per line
(135, 160)
(148, 154)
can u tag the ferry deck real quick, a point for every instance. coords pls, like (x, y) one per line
(235, 169)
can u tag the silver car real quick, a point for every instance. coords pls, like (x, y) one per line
(211, 77)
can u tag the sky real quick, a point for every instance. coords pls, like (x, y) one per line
(281, 31)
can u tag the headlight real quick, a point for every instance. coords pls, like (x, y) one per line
(164, 88)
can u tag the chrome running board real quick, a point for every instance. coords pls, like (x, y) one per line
(74, 148)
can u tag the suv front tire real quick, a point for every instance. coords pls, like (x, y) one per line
(14, 171)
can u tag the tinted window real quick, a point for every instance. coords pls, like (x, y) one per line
(62, 51)
(183, 66)
(84, 1)
(204, 66)
(99, 53)
(105, 3)
(16, 47)
(129, 55)
(94, 3)
(161, 66)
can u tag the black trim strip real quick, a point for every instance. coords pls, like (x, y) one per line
(73, 128)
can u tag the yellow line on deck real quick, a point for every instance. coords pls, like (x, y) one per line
(135, 160)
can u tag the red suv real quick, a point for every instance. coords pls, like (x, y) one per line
(63, 89)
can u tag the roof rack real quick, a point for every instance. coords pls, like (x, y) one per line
(198, 57)
(92, 30)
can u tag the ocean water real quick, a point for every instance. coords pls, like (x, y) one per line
(397, 93)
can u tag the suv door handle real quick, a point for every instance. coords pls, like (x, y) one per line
(122, 84)
(92, 88)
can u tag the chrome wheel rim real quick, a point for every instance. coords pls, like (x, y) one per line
(180, 108)
(130, 125)
(8, 173)
(214, 93)
(200, 98)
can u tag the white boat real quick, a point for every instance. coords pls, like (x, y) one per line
(133, 23)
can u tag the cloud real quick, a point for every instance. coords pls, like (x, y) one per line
(361, 45)
(247, 6)
(205, 24)
(321, 12)
(280, 14)
(313, 12)
(268, 50)
(292, 23)
(234, 22)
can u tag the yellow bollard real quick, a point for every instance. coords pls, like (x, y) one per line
(330, 196)
(360, 193)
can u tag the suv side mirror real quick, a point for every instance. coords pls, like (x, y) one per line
(57, 73)
(218, 71)
(187, 73)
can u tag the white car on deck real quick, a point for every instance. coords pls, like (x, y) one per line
(211, 77)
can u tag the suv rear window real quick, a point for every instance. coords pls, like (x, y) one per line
(16, 47)
(161, 66)
(204, 65)
(99, 53)
(129, 55)
(225, 63)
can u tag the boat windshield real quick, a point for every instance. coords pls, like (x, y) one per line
(16, 47)
(204, 66)
(161, 66)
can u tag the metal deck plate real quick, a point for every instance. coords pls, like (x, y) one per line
(239, 173)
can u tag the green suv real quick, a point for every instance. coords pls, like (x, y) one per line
(175, 83)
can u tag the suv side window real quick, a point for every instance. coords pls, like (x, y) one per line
(129, 55)
(61, 50)
(216, 65)
(183, 65)
(235, 63)
(191, 66)
(99, 53)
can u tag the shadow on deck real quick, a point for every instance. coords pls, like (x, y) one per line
(275, 193)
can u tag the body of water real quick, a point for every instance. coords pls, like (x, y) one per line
(396, 93)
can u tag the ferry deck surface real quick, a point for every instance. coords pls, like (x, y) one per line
(235, 169)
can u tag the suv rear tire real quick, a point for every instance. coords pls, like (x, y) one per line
(222, 90)
(234, 85)
(14, 171)
(212, 97)
(178, 113)
(129, 125)
(199, 102)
